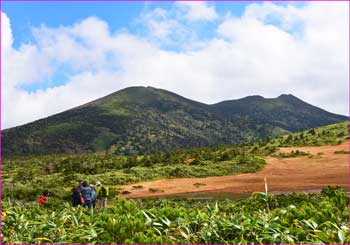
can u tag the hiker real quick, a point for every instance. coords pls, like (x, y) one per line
(44, 197)
(101, 194)
(86, 193)
(76, 196)
(93, 195)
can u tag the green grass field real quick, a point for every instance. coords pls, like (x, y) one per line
(261, 218)
(294, 218)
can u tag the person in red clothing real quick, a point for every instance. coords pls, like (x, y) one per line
(44, 198)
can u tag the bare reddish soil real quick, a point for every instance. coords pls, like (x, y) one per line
(283, 175)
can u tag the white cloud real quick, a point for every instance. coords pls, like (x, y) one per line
(158, 23)
(6, 38)
(196, 11)
(169, 28)
(287, 17)
(249, 55)
(161, 26)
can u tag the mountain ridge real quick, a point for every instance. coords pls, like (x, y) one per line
(139, 120)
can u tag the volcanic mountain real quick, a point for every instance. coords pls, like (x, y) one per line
(140, 120)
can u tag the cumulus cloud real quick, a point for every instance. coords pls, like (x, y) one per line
(160, 26)
(198, 11)
(257, 53)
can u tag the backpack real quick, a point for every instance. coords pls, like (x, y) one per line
(103, 191)
(43, 199)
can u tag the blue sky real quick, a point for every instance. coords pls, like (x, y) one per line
(58, 55)
(119, 15)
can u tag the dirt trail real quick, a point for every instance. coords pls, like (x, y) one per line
(283, 175)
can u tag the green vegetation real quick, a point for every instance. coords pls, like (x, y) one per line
(327, 135)
(154, 190)
(23, 177)
(199, 184)
(293, 153)
(294, 218)
(342, 152)
(261, 218)
(139, 120)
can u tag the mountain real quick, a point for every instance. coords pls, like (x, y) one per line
(139, 120)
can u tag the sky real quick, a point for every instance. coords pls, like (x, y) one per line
(59, 55)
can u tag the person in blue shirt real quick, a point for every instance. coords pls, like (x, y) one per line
(86, 193)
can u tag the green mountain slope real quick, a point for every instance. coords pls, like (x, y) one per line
(140, 120)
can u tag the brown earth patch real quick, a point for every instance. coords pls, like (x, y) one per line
(284, 175)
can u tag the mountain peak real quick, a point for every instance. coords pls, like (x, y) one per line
(253, 97)
(286, 96)
(140, 120)
(289, 97)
